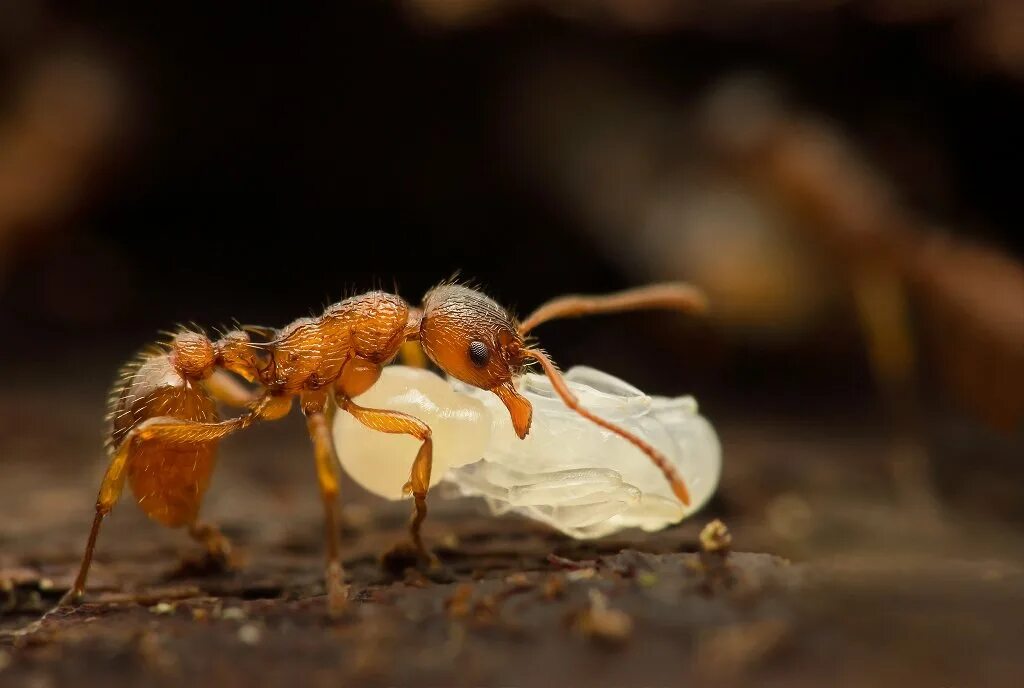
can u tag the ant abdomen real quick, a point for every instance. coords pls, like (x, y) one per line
(167, 476)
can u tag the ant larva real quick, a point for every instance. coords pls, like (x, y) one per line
(165, 426)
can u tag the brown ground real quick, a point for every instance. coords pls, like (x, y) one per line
(836, 579)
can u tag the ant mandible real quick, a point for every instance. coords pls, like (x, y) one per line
(164, 425)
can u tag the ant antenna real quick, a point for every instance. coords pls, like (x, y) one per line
(676, 296)
(570, 399)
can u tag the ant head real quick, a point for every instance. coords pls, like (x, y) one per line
(473, 339)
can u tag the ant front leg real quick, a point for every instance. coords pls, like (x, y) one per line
(317, 409)
(419, 480)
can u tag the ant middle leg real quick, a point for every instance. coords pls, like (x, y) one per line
(318, 411)
(394, 422)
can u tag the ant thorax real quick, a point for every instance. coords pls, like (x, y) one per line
(568, 472)
(311, 352)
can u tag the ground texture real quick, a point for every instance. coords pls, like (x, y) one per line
(836, 577)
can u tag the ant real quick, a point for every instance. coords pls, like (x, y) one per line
(164, 424)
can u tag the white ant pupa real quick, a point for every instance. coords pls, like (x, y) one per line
(568, 472)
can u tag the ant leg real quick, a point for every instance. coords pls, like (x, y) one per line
(667, 296)
(883, 310)
(319, 426)
(226, 389)
(419, 480)
(177, 431)
(167, 429)
(110, 492)
(218, 547)
(411, 354)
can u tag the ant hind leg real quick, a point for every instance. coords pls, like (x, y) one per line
(217, 556)
(209, 536)
(110, 492)
(164, 428)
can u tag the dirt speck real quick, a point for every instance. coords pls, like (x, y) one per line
(600, 622)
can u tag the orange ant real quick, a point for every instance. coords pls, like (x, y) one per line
(165, 426)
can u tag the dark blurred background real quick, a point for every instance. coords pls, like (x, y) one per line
(842, 177)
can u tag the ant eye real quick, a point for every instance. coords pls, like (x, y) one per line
(479, 353)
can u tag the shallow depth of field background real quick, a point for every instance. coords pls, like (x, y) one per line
(843, 178)
(167, 165)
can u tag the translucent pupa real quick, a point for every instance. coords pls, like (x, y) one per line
(573, 475)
